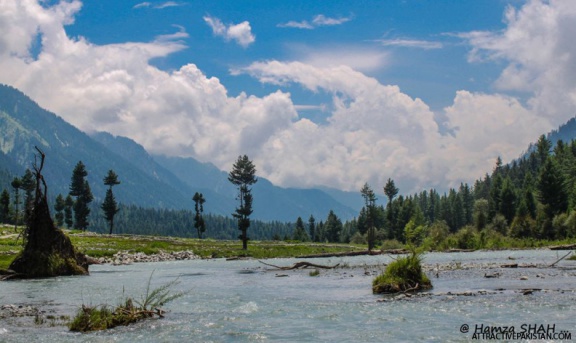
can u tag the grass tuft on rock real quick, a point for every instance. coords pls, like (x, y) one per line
(402, 275)
(105, 317)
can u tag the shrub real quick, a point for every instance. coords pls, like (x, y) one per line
(437, 234)
(358, 238)
(391, 244)
(403, 274)
(314, 272)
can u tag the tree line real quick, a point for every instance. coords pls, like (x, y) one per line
(533, 197)
(72, 211)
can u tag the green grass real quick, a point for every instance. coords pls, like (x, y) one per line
(103, 317)
(107, 246)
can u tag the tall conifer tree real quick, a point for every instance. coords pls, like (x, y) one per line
(243, 176)
(80, 189)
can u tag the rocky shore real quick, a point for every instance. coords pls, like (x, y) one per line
(125, 257)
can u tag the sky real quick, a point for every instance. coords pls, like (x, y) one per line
(316, 93)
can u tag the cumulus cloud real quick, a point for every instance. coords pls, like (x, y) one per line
(376, 132)
(373, 130)
(360, 59)
(241, 33)
(540, 56)
(317, 21)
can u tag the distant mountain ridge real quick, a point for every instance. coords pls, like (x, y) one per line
(147, 181)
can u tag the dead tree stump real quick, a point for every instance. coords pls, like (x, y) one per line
(48, 251)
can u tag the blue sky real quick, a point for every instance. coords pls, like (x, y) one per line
(331, 93)
(408, 43)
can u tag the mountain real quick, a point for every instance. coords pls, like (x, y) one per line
(566, 133)
(24, 125)
(270, 202)
(147, 181)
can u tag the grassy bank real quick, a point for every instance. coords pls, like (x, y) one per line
(106, 246)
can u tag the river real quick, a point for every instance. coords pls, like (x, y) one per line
(246, 301)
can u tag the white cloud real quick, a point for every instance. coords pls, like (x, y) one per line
(168, 4)
(360, 59)
(538, 48)
(322, 20)
(297, 25)
(158, 6)
(373, 132)
(411, 43)
(317, 21)
(142, 5)
(241, 33)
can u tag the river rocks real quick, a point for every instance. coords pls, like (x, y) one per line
(125, 257)
(9, 311)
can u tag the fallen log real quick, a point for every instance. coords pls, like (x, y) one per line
(395, 251)
(302, 264)
(460, 250)
(563, 247)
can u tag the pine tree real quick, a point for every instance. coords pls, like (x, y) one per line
(543, 147)
(80, 189)
(28, 186)
(68, 206)
(300, 232)
(242, 176)
(198, 219)
(59, 207)
(551, 191)
(508, 200)
(332, 227)
(5, 207)
(16, 184)
(312, 228)
(110, 206)
(392, 209)
(370, 206)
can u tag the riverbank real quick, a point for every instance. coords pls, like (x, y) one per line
(126, 249)
(123, 249)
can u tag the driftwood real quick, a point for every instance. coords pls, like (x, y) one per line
(563, 247)
(511, 265)
(491, 276)
(303, 265)
(460, 250)
(343, 254)
(560, 259)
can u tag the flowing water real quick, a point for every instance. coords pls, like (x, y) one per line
(246, 301)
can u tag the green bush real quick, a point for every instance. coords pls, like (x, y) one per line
(403, 274)
(391, 244)
(358, 238)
